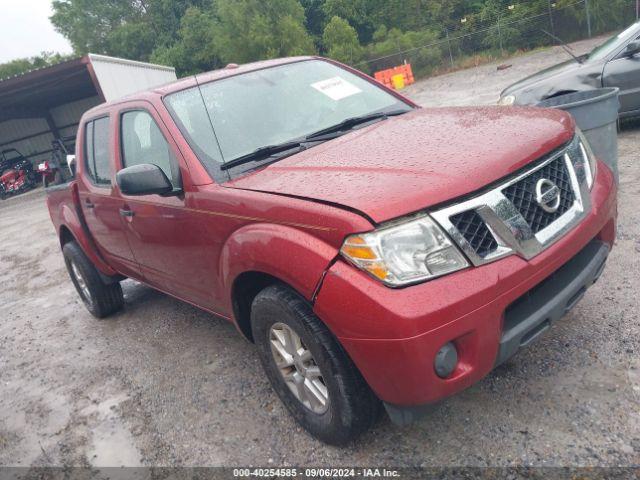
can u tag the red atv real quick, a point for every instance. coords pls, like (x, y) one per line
(58, 169)
(16, 173)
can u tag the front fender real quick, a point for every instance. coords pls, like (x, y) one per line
(287, 253)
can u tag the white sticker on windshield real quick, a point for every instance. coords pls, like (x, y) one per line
(336, 88)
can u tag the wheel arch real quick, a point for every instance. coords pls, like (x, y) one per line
(66, 236)
(259, 255)
(244, 290)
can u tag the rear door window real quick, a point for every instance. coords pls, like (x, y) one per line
(97, 152)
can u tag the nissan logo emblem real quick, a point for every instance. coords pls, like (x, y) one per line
(548, 195)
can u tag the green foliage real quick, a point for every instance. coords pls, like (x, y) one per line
(395, 46)
(197, 35)
(505, 31)
(606, 15)
(88, 24)
(23, 65)
(128, 28)
(340, 41)
(197, 48)
(132, 40)
(359, 13)
(314, 16)
(255, 29)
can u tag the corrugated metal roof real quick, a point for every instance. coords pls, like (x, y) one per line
(123, 61)
(72, 59)
(118, 77)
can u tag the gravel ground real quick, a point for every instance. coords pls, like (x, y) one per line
(163, 383)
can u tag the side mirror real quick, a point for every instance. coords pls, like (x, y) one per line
(143, 179)
(71, 163)
(633, 48)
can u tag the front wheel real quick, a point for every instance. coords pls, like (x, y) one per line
(309, 370)
(101, 299)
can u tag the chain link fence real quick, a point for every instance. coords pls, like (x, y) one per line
(477, 42)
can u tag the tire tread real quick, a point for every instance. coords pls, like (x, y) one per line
(108, 298)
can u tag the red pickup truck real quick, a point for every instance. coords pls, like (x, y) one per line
(376, 253)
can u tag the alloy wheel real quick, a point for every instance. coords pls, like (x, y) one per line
(82, 284)
(298, 368)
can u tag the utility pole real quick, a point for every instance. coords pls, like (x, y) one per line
(553, 30)
(637, 9)
(586, 7)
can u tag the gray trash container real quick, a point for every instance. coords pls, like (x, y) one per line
(596, 113)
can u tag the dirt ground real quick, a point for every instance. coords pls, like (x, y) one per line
(163, 383)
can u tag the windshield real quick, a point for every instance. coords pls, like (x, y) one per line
(227, 119)
(614, 43)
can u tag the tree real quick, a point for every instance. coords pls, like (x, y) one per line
(165, 16)
(133, 40)
(314, 16)
(88, 24)
(196, 35)
(340, 41)
(420, 48)
(127, 28)
(197, 48)
(255, 29)
(359, 13)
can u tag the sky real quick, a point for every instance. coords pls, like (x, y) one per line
(26, 30)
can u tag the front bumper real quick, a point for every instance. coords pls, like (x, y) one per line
(393, 335)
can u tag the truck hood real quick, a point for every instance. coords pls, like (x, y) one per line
(415, 161)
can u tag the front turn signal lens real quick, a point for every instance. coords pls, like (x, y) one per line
(361, 252)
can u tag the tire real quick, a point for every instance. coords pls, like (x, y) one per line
(351, 407)
(100, 298)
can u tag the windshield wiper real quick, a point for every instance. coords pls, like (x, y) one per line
(564, 46)
(262, 153)
(349, 123)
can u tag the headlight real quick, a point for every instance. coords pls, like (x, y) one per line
(406, 253)
(583, 159)
(507, 101)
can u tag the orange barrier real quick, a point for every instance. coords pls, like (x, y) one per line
(386, 76)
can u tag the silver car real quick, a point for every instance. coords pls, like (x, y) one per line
(615, 63)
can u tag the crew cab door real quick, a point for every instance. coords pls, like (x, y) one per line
(165, 236)
(624, 72)
(99, 201)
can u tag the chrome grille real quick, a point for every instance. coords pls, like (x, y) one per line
(508, 219)
(473, 228)
(523, 195)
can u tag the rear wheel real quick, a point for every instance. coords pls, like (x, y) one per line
(101, 299)
(309, 370)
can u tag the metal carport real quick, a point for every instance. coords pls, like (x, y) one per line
(45, 104)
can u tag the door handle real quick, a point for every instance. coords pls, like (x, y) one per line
(89, 204)
(126, 213)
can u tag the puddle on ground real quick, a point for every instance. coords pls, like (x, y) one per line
(112, 444)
